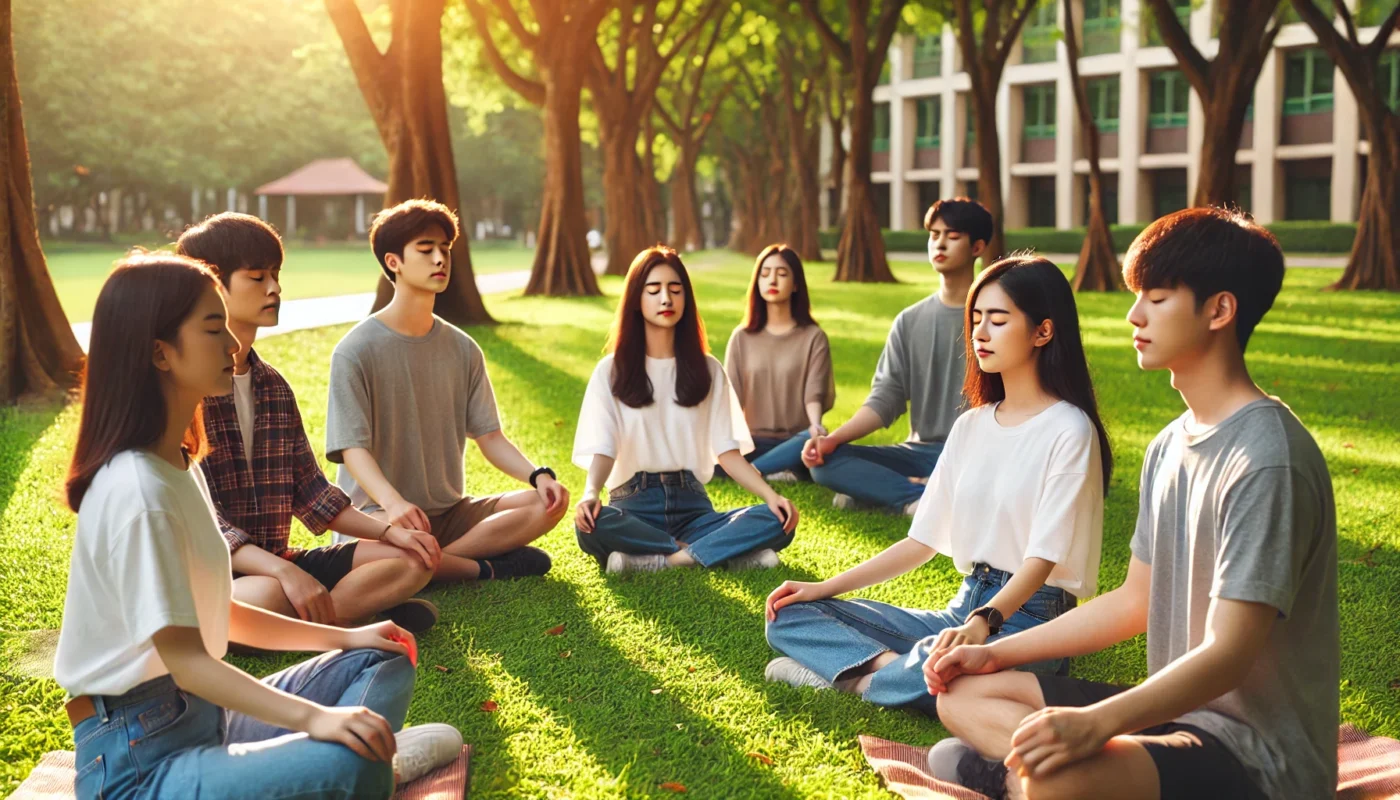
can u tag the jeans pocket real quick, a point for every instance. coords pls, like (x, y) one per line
(1044, 605)
(622, 492)
(91, 780)
(168, 724)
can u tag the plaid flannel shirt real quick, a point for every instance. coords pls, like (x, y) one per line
(256, 507)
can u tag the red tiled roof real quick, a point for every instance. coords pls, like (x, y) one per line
(326, 176)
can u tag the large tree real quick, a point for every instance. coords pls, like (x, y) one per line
(800, 67)
(1375, 255)
(984, 59)
(1224, 82)
(557, 45)
(38, 351)
(1097, 269)
(869, 27)
(403, 88)
(836, 105)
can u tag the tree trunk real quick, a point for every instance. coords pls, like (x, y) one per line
(685, 205)
(837, 176)
(562, 266)
(649, 188)
(1375, 254)
(625, 232)
(1215, 177)
(38, 352)
(1097, 269)
(806, 218)
(860, 255)
(989, 191)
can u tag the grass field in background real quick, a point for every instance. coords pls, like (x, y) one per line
(659, 678)
(310, 270)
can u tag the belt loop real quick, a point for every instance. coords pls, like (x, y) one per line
(100, 706)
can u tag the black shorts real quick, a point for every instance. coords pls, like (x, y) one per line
(328, 565)
(1191, 763)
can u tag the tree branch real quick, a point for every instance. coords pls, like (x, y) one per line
(1193, 65)
(365, 59)
(512, 20)
(1377, 45)
(840, 50)
(531, 90)
(1013, 32)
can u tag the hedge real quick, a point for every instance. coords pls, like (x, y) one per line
(1300, 236)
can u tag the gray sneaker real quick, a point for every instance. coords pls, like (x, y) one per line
(786, 476)
(424, 748)
(845, 502)
(758, 559)
(954, 761)
(910, 509)
(789, 671)
(619, 563)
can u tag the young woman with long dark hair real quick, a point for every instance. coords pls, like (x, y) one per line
(657, 415)
(1016, 502)
(779, 363)
(150, 612)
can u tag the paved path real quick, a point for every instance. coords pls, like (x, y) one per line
(1070, 258)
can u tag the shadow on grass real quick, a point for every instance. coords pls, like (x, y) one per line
(21, 427)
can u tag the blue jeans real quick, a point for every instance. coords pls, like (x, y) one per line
(157, 741)
(775, 455)
(654, 512)
(831, 637)
(879, 474)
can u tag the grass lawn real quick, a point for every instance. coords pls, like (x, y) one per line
(659, 678)
(311, 270)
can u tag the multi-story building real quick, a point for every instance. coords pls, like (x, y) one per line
(1302, 154)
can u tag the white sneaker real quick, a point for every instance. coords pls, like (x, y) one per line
(943, 759)
(786, 476)
(619, 563)
(845, 502)
(910, 509)
(758, 559)
(789, 671)
(424, 748)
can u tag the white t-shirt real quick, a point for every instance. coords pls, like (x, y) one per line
(664, 436)
(243, 406)
(1001, 495)
(147, 555)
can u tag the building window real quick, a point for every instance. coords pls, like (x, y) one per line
(1307, 192)
(1041, 32)
(929, 112)
(1103, 103)
(1388, 82)
(928, 56)
(1168, 191)
(1170, 98)
(1151, 35)
(1102, 26)
(1041, 197)
(1307, 82)
(881, 143)
(1039, 102)
(1109, 185)
(884, 74)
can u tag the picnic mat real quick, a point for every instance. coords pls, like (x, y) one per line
(52, 779)
(1368, 768)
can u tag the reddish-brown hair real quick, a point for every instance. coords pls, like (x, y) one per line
(393, 228)
(756, 317)
(628, 342)
(146, 299)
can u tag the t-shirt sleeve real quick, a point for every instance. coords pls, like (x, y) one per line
(729, 430)
(820, 385)
(1141, 544)
(1073, 491)
(482, 415)
(930, 523)
(1267, 532)
(734, 361)
(348, 410)
(599, 422)
(147, 564)
(889, 392)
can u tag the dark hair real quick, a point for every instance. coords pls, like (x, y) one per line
(628, 342)
(756, 317)
(962, 215)
(393, 228)
(1210, 250)
(231, 241)
(1042, 292)
(146, 299)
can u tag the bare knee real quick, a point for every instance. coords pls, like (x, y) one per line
(411, 571)
(263, 592)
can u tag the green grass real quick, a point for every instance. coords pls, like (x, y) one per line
(310, 270)
(579, 714)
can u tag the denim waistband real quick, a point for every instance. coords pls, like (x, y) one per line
(155, 687)
(643, 480)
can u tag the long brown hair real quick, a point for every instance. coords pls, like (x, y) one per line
(628, 342)
(146, 299)
(1042, 292)
(756, 318)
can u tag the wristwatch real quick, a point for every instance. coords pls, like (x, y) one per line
(992, 616)
(535, 476)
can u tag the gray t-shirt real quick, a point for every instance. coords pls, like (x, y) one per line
(1243, 511)
(922, 368)
(412, 401)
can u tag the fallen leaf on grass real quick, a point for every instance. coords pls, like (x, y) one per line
(672, 786)
(656, 691)
(1348, 445)
(690, 669)
(555, 631)
(566, 654)
(1395, 684)
(760, 757)
(489, 706)
(441, 668)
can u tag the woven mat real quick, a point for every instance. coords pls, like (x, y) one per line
(1368, 768)
(52, 779)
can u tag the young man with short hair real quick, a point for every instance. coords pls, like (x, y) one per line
(261, 470)
(1233, 577)
(407, 391)
(921, 369)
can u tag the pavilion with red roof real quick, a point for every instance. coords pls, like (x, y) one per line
(326, 177)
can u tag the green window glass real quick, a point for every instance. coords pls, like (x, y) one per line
(1169, 101)
(1102, 25)
(928, 56)
(1388, 82)
(1151, 34)
(881, 143)
(1041, 31)
(1307, 82)
(929, 113)
(1039, 120)
(1103, 103)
